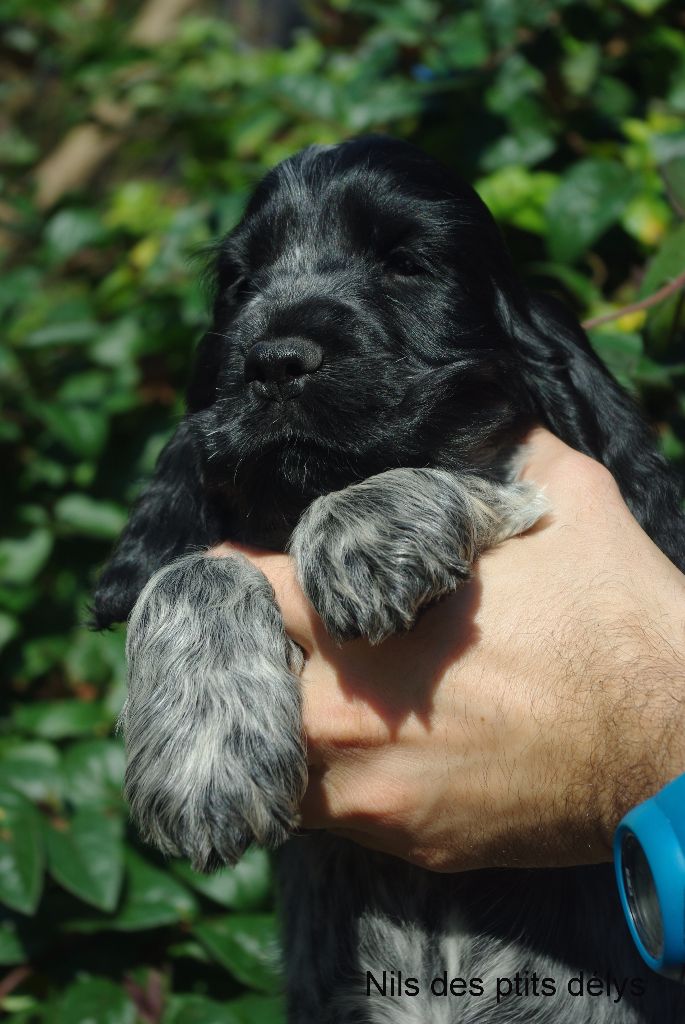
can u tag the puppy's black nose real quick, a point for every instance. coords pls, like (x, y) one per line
(280, 363)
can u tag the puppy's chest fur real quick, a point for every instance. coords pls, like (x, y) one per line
(361, 925)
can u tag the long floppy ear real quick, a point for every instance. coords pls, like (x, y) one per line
(174, 513)
(578, 399)
(169, 517)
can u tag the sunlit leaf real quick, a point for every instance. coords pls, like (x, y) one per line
(94, 772)
(590, 199)
(55, 720)
(22, 559)
(86, 856)
(246, 945)
(243, 887)
(81, 514)
(94, 1001)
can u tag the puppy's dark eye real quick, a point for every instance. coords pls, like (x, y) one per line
(403, 264)
(241, 286)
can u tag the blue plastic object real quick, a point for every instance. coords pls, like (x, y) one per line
(649, 856)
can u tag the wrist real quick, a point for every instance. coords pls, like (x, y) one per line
(644, 733)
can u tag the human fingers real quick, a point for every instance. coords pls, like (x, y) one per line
(569, 478)
(301, 621)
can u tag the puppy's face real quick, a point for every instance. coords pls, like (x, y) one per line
(355, 328)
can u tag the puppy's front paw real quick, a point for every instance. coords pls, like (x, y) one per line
(212, 721)
(371, 556)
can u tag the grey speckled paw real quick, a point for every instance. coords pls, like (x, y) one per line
(371, 556)
(212, 721)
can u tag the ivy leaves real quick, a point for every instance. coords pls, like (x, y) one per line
(569, 118)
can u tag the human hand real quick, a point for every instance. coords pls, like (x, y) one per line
(522, 716)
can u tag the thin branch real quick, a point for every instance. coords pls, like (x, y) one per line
(86, 146)
(670, 192)
(675, 319)
(15, 978)
(635, 307)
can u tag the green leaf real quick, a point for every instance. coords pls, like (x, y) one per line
(21, 938)
(671, 445)
(668, 146)
(463, 41)
(151, 898)
(119, 343)
(58, 719)
(580, 286)
(189, 950)
(250, 1009)
(580, 65)
(70, 230)
(90, 388)
(518, 196)
(254, 1009)
(33, 770)
(96, 658)
(620, 350)
(138, 207)
(22, 560)
(15, 147)
(77, 332)
(589, 200)
(388, 102)
(667, 264)
(516, 78)
(86, 856)
(528, 145)
(81, 429)
(644, 7)
(12, 949)
(21, 853)
(198, 1010)
(9, 627)
(15, 749)
(674, 174)
(94, 772)
(81, 514)
(247, 945)
(94, 1001)
(41, 654)
(243, 887)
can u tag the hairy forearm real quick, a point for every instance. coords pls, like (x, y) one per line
(643, 721)
(570, 762)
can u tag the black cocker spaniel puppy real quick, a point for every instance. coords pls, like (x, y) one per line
(372, 366)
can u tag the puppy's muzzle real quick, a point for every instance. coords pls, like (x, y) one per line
(278, 369)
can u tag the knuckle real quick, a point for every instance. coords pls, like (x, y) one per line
(595, 472)
(585, 473)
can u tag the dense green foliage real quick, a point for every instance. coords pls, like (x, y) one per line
(568, 116)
